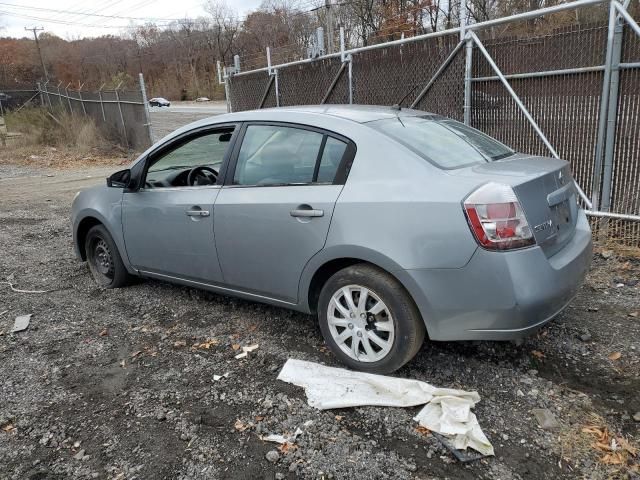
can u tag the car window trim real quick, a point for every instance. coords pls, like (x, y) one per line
(342, 171)
(316, 168)
(184, 138)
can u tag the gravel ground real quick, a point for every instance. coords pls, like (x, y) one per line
(119, 384)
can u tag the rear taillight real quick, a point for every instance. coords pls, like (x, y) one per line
(496, 218)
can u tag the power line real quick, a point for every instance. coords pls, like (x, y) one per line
(72, 23)
(133, 8)
(86, 13)
(57, 13)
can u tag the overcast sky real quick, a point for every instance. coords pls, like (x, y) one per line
(55, 15)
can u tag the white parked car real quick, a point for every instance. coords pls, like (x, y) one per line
(159, 102)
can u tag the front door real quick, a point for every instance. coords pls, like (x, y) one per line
(168, 223)
(273, 213)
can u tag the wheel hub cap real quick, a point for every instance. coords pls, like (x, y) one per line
(102, 259)
(360, 323)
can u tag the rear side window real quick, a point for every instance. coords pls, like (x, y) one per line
(331, 157)
(446, 143)
(282, 155)
(274, 155)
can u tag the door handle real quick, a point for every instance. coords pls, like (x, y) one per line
(197, 213)
(302, 212)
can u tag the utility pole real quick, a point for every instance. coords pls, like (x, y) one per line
(327, 4)
(35, 36)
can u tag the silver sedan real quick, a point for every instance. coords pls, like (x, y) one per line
(388, 224)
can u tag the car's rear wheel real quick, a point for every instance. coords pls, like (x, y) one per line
(104, 260)
(368, 319)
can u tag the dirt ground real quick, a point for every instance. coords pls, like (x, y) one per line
(119, 384)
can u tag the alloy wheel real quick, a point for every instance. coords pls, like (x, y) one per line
(360, 323)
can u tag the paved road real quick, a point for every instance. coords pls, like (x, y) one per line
(165, 120)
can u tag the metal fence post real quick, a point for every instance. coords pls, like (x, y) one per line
(222, 73)
(104, 118)
(467, 80)
(604, 108)
(350, 73)
(124, 127)
(66, 93)
(84, 110)
(269, 60)
(40, 93)
(275, 73)
(59, 96)
(147, 117)
(46, 89)
(467, 62)
(219, 70)
(612, 116)
(227, 92)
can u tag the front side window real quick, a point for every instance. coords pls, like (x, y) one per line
(446, 143)
(195, 162)
(277, 155)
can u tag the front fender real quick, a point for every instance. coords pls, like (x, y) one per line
(104, 205)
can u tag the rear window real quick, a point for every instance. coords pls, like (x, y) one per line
(446, 143)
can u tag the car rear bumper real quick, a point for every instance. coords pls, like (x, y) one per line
(501, 295)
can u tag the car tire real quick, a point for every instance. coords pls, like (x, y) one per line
(389, 321)
(104, 260)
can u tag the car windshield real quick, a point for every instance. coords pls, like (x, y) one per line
(446, 143)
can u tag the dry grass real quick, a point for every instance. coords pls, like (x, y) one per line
(59, 158)
(618, 235)
(589, 438)
(59, 141)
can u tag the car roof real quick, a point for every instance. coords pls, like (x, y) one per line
(356, 113)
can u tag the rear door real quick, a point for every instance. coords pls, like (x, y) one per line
(274, 211)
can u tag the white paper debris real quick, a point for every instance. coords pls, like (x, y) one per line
(21, 323)
(281, 439)
(246, 350)
(220, 377)
(447, 411)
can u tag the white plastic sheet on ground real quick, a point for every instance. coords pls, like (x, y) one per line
(446, 411)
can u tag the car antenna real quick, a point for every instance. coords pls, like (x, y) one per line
(398, 106)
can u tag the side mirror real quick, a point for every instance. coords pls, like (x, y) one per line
(119, 179)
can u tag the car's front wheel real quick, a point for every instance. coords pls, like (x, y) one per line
(104, 260)
(369, 320)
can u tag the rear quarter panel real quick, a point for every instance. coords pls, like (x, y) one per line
(402, 207)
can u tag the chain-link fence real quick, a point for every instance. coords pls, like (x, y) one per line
(571, 92)
(15, 98)
(121, 115)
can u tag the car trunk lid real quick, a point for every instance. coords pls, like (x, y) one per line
(546, 192)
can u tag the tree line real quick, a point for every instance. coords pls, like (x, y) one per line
(178, 58)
